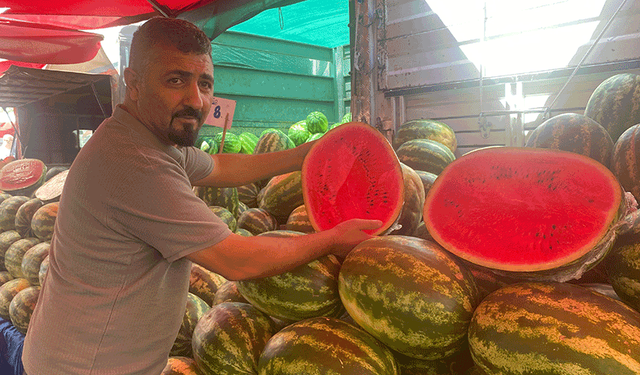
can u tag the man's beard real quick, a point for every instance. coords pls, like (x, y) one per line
(187, 135)
(184, 137)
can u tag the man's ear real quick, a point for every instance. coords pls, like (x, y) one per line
(131, 80)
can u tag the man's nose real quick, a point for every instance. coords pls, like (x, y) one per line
(193, 97)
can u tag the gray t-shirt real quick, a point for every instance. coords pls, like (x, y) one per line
(115, 292)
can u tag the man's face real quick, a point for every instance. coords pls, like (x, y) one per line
(174, 94)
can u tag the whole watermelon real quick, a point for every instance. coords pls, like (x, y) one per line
(410, 294)
(317, 122)
(298, 132)
(229, 338)
(615, 103)
(232, 144)
(554, 328)
(325, 346)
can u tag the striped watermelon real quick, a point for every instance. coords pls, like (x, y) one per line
(226, 216)
(457, 364)
(15, 253)
(229, 338)
(623, 269)
(352, 172)
(232, 144)
(248, 142)
(32, 260)
(228, 292)
(530, 213)
(7, 238)
(575, 133)
(615, 103)
(299, 221)
(317, 122)
(272, 141)
(22, 306)
(226, 197)
(624, 160)
(428, 179)
(282, 195)
(411, 215)
(43, 221)
(257, 220)
(43, 269)
(5, 276)
(8, 209)
(241, 208)
(23, 217)
(325, 346)
(9, 290)
(554, 328)
(306, 291)
(410, 294)
(426, 129)
(243, 232)
(204, 283)
(425, 155)
(180, 365)
(195, 309)
(298, 132)
(248, 194)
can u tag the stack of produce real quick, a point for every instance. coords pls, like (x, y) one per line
(28, 209)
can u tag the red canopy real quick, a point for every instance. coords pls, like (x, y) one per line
(47, 32)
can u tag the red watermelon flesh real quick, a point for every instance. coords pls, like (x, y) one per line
(22, 174)
(352, 172)
(518, 209)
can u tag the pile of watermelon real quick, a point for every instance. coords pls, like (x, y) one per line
(500, 261)
(28, 209)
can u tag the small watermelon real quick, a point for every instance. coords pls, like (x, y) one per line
(352, 172)
(15, 254)
(226, 197)
(623, 269)
(7, 238)
(248, 142)
(299, 221)
(425, 155)
(624, 160)
(226, 216)
(281, 195)
(298, 132)
(257, 220)
(317, 122)
(232, 144)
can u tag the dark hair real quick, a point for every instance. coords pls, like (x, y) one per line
(181, 34)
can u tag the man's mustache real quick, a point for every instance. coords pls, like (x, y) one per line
(188, 112)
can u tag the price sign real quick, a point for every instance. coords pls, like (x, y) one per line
(221, 114)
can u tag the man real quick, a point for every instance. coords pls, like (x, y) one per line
(129, 224)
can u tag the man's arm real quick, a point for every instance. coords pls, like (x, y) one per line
(241, 169)
(238, 257)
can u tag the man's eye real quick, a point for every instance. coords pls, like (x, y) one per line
(206, 85)
(175, 81)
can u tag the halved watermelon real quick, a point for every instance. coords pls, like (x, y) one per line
(22, 176)
(533, 213)
(352, 172)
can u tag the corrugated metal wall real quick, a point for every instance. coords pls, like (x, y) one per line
(429, 75)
